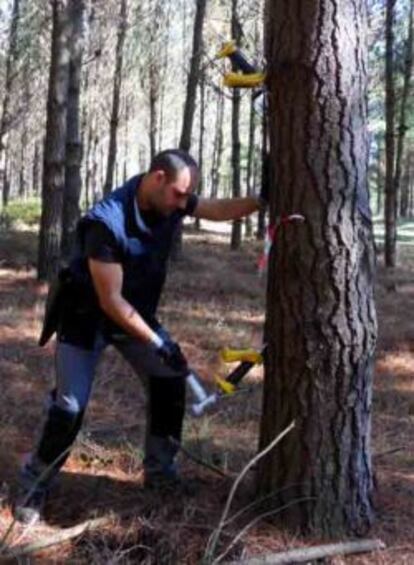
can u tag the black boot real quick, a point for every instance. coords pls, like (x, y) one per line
(59, 432)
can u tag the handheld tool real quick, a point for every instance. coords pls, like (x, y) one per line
(248, 358)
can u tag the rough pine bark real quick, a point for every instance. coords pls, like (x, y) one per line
(55, 145)
(320, 315)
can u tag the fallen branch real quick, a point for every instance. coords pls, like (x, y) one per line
(306, 554)
(198, 460)
(389, 451)
(58, 538)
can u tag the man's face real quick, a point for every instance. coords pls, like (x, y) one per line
(171, 195)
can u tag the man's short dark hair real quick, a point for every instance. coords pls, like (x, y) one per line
(172, 161)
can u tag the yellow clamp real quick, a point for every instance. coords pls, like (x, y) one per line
(225, 386)
(228, 49)
(232, 355)
(237, 80)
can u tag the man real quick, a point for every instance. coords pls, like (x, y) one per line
(109, 295)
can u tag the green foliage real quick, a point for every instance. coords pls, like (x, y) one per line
(27, 213)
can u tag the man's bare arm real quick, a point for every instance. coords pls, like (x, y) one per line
(222, 209)
(107, 279)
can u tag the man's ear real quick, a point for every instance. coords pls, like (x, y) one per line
(160, 175)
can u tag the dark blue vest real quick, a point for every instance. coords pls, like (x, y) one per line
(144, 253)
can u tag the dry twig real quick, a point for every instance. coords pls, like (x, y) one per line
(212, 542)
(198, 460)
(55, 539)
(307, 554)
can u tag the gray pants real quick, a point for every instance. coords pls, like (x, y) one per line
(75, 372)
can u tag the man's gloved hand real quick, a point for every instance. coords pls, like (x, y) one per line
(170, 352)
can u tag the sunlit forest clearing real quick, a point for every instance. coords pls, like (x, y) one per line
(207, 281)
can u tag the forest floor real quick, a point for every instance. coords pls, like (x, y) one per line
(213, 298)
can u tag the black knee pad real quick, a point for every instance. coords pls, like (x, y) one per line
(59, 432)
(167, 406)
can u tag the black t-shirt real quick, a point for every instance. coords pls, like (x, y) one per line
(100, 242)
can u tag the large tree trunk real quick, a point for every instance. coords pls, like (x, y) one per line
(55, 145)
(320, 316)
(390, 192)
(116, 96)
(402, 129)
(5, 118)
(236, 230)
(73, 180)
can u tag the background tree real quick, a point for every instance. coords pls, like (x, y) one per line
(193, 76)
(320, 316)
(113, 129)
(5, 119)
(73, 180)
(236, 231)
(55, 144)
(390, 187)
(404, 107)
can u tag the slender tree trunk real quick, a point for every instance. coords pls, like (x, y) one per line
(73, 180)
(320, 315)
(193, 77)
(380, 179)
(55, 145)
(153, 98)
(25, 135)
(236, 230)
(390, 193)
(116, 94)
(265, 178)
(22, 167)
(190, 100)
(126, 141)
(200, 189)
(218, 147)
(410, 182)
(164, 80)
(7, 180)
(36, 170)
(11, 58)
(250, 160)
(402, 129)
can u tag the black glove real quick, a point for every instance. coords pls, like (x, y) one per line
(171, 354)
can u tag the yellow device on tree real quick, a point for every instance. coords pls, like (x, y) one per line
(248, 77)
